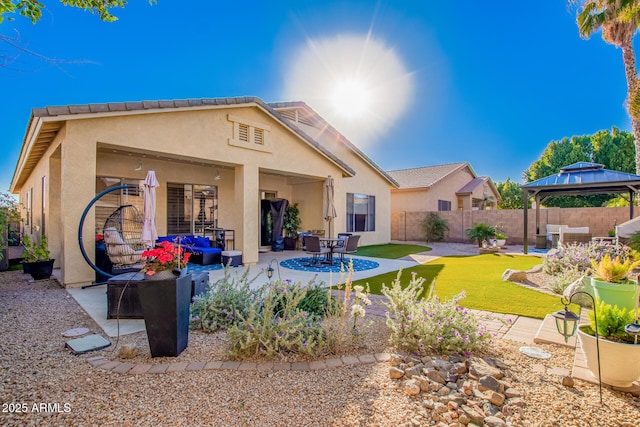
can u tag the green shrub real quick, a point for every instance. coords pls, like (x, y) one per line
(435, 228)
(274, 325)
(224, 304)
(425, 325)
(480, 232)
(561, 280)
(611, 322)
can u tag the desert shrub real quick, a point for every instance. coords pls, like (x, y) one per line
(564, 278)
(275, 325)
(579, 256)
(435, 228)
(315, 300)
(224, 303)
(425, 325)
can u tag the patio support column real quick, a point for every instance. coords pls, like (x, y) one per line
(525, 197)
(78, 187)
(247, 204)
(631, 203)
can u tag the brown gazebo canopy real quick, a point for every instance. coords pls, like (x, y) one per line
(578, 179)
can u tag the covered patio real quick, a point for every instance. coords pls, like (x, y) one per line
(578, 179)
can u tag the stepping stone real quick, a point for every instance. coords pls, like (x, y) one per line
(75, 332)
(535, 352)
(86, 344)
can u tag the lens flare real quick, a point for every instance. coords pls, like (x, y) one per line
(357, 83)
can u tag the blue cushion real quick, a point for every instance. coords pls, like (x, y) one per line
(167, 238)
(202, 249)
(187, 240)
(202, 242)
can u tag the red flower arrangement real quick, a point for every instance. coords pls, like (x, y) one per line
(165, 257)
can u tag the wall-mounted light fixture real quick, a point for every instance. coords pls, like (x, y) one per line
(139, 166)
(216, 177)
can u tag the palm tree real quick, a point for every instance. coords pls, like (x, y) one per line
(618, 20)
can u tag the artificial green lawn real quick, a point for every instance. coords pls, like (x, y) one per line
(391, 250)
(480, 277)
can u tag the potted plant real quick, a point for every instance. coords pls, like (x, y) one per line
(36, 258)
(165, 297)
(619, 354)
(610, 281)
(291, 226)
(481, 233)
(501, 239)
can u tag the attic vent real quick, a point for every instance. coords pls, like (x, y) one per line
(243, 132)
(289, 114)
(306, 120)
(258, 136)
(249, 134)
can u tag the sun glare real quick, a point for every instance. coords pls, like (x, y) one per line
(355, 82)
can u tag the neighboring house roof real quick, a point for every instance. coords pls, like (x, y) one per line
(44, 124)
(312, 118)
(426, 176)
(472, 185)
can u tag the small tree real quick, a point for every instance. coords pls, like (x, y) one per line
(8, 214)
(435, 228)
(292, 221)
(480, 232)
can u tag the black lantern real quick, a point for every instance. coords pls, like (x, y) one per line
(270, 269)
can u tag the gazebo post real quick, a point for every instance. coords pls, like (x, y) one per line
(537, 215)
(632, 195)
(525, 240)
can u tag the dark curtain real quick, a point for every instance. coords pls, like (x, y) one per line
(278, 208)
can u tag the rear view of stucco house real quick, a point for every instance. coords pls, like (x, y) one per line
(447, 187)
(216, 160)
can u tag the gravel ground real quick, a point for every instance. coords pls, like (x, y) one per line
(35, 369)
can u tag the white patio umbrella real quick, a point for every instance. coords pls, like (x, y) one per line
(329, 207)
(149, 232)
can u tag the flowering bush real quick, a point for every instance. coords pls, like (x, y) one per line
(224, 304)
(165, 257)
(274, 325)
(579, 256)
(426, 325)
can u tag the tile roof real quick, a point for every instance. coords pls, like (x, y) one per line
(425, 176)
(470, 186)
(123, 107)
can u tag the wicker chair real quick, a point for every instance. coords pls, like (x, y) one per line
(569, 235)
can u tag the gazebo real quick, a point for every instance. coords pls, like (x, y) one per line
(578, 179)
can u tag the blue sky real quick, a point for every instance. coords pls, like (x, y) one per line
(489, 84)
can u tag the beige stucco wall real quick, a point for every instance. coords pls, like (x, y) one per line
(99, 146)
(407, 225)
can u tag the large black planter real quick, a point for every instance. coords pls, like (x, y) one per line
(39, 269)
(165, 306)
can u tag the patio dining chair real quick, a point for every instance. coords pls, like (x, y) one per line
(350, 247)
(314, 248)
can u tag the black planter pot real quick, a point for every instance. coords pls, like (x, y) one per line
(290, 243)
(165, 307)
(39, 269)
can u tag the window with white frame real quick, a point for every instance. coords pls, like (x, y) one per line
(361, 212)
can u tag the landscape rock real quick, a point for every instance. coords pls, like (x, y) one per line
(395, 373)
(473, 414)
(479, 368)
(567, 382)
(494, 422)
(411, 387)
(514, 275)
(512, 392)
(495, 398)
(489, 383)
